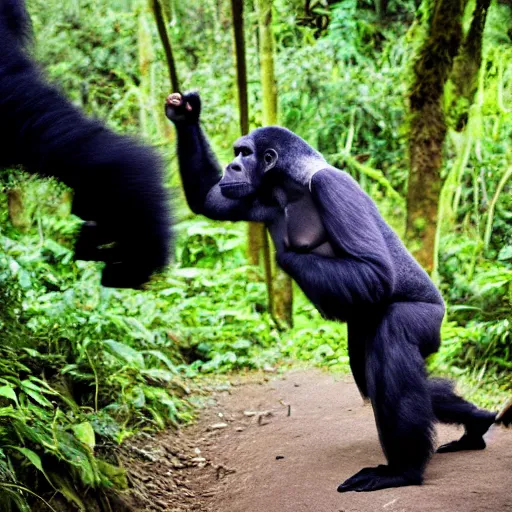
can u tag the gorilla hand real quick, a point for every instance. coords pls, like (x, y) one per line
(183, 109)
(120, 196)
(131, 249)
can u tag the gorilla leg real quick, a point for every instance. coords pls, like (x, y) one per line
(397, 387)
(451, 408)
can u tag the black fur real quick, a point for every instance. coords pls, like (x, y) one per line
(118, 182)
(392, 308)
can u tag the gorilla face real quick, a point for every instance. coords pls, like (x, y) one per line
(243, 176)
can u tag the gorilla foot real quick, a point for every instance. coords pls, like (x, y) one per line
(464, 443)
(473, 437)
(381, 477)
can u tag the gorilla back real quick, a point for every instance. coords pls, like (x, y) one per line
(117, 182)
(330, 237)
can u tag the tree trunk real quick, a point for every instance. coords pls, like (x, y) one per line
(381, 7)
(282, 301)
(268, 81)
(241, 66)
(257, 240)
(283, 297)
(466, 67)
(255, 232)
(160, 9)
(465, 80)
(428, 126)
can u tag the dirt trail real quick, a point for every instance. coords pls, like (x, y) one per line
(316, 434)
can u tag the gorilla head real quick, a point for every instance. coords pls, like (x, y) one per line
(268, 149)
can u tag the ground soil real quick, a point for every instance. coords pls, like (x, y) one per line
(284, 444)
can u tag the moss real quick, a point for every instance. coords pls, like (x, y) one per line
(420, 223)
(428, 124)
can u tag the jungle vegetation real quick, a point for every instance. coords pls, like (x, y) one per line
(413, 98)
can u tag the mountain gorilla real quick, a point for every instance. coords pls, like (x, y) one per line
(117, 182)
(330, 237)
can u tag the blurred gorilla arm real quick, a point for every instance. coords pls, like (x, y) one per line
(118, 182)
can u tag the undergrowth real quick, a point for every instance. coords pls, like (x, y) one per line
(82, 368)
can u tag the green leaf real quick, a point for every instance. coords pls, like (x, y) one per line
(242, 344)
(157, 374)
(125, 352)
(66, 488)
(30, 384)
(8, 392)
(115, 474)
(159, 420)
(10, 412)
(187, 273)
(85, 433)
(37, 397)
(46, 388)
(31, 352)
(505, 253)
(33, 457)
(161, 357)
(137, 397)
(15, 496)
(24, 279)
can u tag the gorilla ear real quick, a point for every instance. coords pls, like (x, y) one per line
(270, 159)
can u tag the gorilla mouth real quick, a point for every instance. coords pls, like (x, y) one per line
(236, 190)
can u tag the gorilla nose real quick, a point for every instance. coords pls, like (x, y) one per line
(234, 167)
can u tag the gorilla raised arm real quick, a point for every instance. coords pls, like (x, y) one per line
(331, 239)
(118, 182)
(240, 194)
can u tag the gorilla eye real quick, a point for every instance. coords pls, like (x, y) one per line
(243, 150)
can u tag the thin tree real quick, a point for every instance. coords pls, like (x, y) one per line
(256, 234)
(381, 7)
(466, 67)
(282, 284)
(161, 23)
(268, 81)
(237, 7)
(254, 231)
(463, 117)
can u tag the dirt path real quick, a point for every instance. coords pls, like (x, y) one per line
(313, 433)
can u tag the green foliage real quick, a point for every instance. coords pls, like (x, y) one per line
(480, 294)
(82, 368)
(338, 106)
(90, 49)
(67, 386)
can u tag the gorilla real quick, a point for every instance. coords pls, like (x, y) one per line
(117, 182)
(330, 238)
